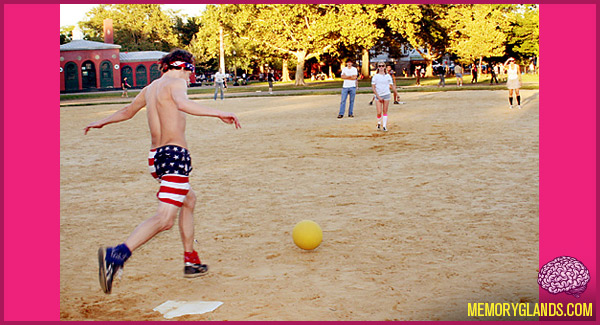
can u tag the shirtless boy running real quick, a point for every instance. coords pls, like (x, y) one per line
(166, 103)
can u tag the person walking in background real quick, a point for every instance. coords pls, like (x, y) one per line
(125, 86)
(458, 72)
(170, 163)
(382, 84)
(270, 79)
(513, 82)
(474, 73)
(492, 71)
(418, 74)
(350, 76)
(441, 72)
(392, 74)
(502, 71)
(497, 71)
(220, 83)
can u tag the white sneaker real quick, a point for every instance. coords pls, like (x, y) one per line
(510, 107)
(384, 129)
(519, 106)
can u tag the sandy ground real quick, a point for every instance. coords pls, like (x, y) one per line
(440, 211)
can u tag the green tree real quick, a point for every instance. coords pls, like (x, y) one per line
(186, 30)
(303, 31)
(66, 34)
(358, 29)
(239, 50)
(524, 36)
(137, 27)
(422, 27)
(477, 30)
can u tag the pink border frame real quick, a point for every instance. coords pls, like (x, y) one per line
(32, 130)
(568, 147)
(567, 152)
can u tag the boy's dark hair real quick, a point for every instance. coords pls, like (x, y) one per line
(175, 55)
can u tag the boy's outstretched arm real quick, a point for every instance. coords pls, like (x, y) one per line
(121, 115)
(184, 104)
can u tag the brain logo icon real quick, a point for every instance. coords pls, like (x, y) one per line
(564, 274)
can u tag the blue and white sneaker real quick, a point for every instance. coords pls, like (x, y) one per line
(107, 271)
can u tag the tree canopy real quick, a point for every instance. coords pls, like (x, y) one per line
(422, 26)
(282, 35)
(137, 27)
(477, 30)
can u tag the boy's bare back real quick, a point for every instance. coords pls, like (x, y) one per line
(166, 121)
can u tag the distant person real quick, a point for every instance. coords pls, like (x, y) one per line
(474, 73)
(458, 72)
(392, 74)
(494, 75)
(497, 71)
(125, 85)
(220, 83)
(513, 82)
(441, 72)
(382, 84)
(350, 76)
(270, 79)
(167, 104)
(502, 71)
(418, 74)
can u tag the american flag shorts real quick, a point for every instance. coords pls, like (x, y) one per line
(172, 165)
(151, 167)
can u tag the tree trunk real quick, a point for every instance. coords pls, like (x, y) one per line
(429, 69)
(300, 56)
(429, 60)
(331, 76)
(285, 73)
(365, 63)
(479, 69)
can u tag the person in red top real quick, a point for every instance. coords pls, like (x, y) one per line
(125, 86)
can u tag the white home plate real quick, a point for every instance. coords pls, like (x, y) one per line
(172, 309)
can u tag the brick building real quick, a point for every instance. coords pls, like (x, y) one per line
(88, 65)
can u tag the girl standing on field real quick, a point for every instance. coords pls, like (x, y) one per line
(381, 83)
(513, 82)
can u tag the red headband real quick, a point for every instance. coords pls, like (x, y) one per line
(182, 64)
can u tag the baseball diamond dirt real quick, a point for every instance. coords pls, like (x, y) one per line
(439, 212)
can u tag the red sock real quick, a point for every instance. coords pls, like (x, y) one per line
(191, 257)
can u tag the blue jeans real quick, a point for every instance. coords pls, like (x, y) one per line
(219, 86)
(345, 92)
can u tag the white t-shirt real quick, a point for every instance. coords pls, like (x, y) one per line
(219, 77)
(349, 72)
(382, 83)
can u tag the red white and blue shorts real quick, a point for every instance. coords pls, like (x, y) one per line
(171, 166)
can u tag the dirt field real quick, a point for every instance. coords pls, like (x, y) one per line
(440, 211)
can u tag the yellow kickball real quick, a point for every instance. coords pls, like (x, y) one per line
(307, 234)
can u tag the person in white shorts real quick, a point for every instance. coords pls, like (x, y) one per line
(513, 83)
(382, 83)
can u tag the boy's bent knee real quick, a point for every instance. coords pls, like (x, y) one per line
(190, 200)
(165, 216)
(165, 222)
